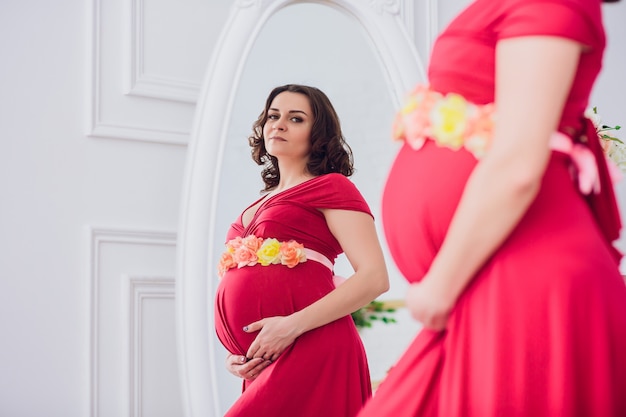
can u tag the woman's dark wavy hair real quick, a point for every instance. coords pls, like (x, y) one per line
(329, 150)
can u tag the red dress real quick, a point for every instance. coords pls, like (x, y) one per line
(541, 328)
(325, 371)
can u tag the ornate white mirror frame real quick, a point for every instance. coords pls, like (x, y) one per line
(384, 28)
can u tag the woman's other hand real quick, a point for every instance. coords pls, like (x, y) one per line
(241, 367)
(275, 335)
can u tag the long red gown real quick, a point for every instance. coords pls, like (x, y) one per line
(541, 328)
(325, 371)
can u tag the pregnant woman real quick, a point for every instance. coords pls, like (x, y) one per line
(500, 212)
(278, 310)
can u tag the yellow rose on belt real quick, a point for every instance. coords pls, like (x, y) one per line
(269, 252)
(448, 118)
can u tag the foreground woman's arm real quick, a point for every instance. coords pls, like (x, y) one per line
(533, 78)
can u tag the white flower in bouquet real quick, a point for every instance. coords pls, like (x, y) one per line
(613, 147)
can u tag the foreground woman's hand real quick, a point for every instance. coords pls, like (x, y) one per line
(275, 335)
(429, 304)
(241, 367)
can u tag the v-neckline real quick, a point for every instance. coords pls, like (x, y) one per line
(259, 204)
(264, 200)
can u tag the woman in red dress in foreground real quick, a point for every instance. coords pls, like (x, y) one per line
(278, 310)
(499, 209)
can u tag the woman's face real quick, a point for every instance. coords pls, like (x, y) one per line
(287, 130)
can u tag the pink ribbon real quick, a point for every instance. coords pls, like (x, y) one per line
(584, 161)
(318, 257)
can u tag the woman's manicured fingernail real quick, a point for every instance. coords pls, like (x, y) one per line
(245, 328)
(242, 359)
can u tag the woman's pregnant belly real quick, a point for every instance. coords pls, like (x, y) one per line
(252, 293)
(420, 196)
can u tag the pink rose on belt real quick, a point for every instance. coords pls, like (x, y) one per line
(292, 253)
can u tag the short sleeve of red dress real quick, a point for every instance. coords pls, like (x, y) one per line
(569, 19)
(578, 20)
(335, 191)
(463, 58)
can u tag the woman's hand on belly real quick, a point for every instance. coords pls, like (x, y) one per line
(275, 335)
(241, 367)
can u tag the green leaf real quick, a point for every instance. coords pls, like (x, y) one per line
(374, 311)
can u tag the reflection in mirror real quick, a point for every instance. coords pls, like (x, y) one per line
(365, 62)
(328, 50)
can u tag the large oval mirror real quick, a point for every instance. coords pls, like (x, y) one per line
(361, 56)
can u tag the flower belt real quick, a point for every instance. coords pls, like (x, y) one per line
(252, 250)
(449, 120)
(453, 122)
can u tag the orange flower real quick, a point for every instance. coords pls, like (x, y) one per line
(227, 261)
(245, 257)
(252, 242)
(292, 253)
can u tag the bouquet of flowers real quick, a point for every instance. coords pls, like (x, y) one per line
(614, 148)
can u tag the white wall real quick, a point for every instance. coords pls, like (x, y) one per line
(96, 104)
(89, 200)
